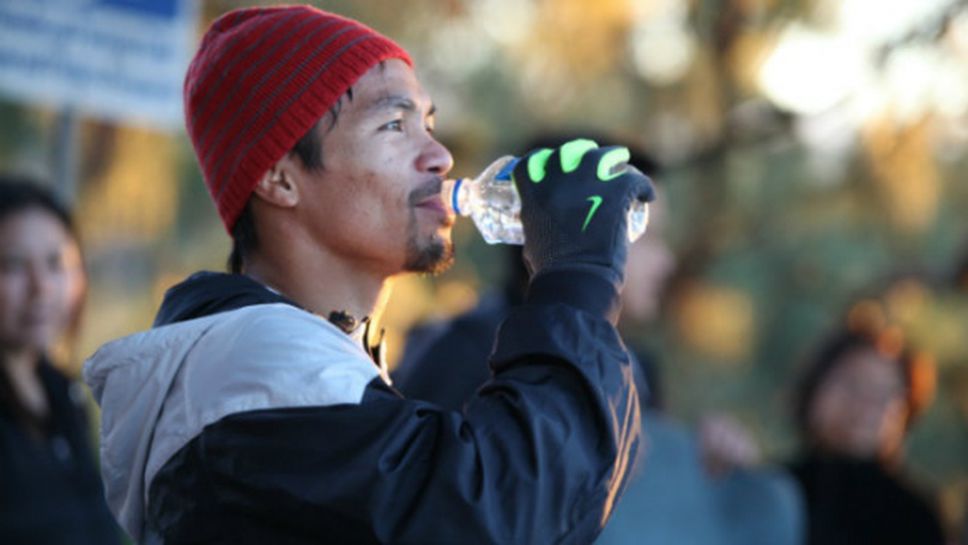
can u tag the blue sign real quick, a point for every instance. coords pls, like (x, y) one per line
(159, 8)
(122, 60)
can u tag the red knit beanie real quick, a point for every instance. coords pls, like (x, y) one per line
(260, 80)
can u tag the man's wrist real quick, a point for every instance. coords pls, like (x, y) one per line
(590, 288)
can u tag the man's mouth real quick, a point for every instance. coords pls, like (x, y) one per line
(433, 203)
(429, 198)
(435, 206)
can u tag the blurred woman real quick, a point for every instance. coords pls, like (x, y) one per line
(50, 490)
(854, 407)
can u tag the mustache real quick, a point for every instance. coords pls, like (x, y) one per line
(425, 191)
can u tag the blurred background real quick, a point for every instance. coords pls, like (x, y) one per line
(814, 155)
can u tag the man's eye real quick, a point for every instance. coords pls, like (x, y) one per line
(395, 125)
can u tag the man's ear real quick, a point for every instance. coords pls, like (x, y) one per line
(278, 186)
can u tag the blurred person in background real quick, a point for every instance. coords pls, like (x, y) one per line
(960, 277)
(959, 282)
(689, 487)
(50, 490)
(854, 405)
(258, 410)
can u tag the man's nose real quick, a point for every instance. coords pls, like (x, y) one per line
(435, 158)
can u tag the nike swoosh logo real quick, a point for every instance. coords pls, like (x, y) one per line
(596, 201)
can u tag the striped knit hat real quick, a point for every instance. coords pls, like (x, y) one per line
(260, 80)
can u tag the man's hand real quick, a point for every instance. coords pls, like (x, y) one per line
(574, 208)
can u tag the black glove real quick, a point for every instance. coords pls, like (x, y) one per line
(574, 210)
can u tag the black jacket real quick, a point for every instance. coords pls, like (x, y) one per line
(50, 493)
(242, 419)
(857, 502)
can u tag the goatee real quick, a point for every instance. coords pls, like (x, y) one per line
(434, 258)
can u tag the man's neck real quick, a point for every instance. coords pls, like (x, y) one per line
(319, 282)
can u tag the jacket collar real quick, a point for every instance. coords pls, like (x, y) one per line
(206, 293)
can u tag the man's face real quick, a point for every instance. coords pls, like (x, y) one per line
(376, 201)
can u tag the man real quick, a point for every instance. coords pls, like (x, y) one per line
(245, 416)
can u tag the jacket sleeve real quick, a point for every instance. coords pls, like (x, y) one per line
(539, 455)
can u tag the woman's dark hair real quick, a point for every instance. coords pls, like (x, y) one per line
(887, 342)
(18, 194)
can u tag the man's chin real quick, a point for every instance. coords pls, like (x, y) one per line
(434, 257)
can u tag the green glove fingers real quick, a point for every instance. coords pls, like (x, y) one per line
(537, 165)
(573, 209)
(572, 152)
(610, 165)
(612, 159)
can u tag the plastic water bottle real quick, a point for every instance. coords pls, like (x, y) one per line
(492, 201)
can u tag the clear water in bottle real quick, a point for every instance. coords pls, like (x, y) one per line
(492, 201)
